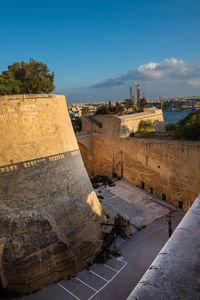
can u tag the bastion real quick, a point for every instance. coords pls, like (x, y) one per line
(49, 213)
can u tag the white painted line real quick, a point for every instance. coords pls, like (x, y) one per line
(110, 268)
(85, 284)
(119, 258)
(68, 291)
(108, 282)
(98, 275)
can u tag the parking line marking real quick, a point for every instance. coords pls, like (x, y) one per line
(85, 284)
(108, 282)
(98, 275)
(68, 291)
(119, 258)
(110, 268)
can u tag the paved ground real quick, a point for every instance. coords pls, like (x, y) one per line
(141, 207)
(116, 279)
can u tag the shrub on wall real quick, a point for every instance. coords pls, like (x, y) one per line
(145, 127)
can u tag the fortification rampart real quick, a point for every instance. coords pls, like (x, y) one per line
(124, 125)
(49, 212)
(167, 168)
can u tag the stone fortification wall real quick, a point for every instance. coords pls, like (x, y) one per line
(92, 123)
(168, 168)
(130, 123)
(49, 213)
(123, 125)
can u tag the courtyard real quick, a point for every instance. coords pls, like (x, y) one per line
(115, 279)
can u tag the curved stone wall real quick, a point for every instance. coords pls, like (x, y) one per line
(49, 213)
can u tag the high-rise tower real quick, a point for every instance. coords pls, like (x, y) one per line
(130, 92)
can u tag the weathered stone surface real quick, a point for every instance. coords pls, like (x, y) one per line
(166, 166)
(49, 213)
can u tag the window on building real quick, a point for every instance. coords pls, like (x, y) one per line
(143, 185)
(164, 197)
(151, 190)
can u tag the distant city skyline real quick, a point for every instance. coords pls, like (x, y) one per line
(97, 49)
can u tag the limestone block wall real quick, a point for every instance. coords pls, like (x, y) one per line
(89, 125)
(49, 213)
(170, 169)
(130, 123)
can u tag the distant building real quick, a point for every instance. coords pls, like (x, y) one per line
(130, 92)
(136, 93)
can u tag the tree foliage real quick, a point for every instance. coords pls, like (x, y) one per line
(142, 103)
(8, 84)
(128, 103)
(189, 127)
(26, 78)
(110, 109)
(170, 127)
(77, 124)
(85, 111)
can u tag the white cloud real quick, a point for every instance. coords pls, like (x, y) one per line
(150, 70)
(170, 68)
(195, 83)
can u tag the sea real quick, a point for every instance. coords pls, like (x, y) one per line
(175, 115)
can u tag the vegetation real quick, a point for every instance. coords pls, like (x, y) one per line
(170, 127)
(142, 103)
(128, 103)
(189, 127)
(110, 109)
(85, 111)
(77, 124)
(145, 127)
(26, 78)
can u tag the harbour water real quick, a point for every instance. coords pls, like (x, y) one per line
(175, 115)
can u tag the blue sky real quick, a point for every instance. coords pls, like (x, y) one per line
(98, 48)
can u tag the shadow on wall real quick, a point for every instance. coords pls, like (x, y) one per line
(50, 219)
(44, 178)
(159, 126)
(124, 132)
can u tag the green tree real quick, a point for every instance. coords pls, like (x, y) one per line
(128, 103)
(189, 127)
(8, 84)
(109, 109)
(27, 78)
(77, 124)
(142, 104)
(85, 111)
(170, 127)
(102, 110)
(118, 108)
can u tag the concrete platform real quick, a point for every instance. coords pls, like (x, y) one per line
(139, 206)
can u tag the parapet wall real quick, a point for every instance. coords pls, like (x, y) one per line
(174, 274)
(50, 215)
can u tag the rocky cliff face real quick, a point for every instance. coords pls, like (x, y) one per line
(49, 213)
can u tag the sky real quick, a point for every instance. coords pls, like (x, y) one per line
(98, 48)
